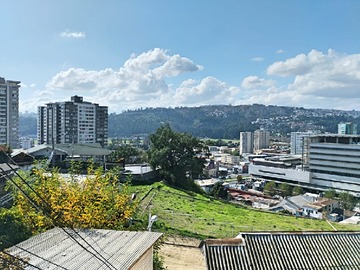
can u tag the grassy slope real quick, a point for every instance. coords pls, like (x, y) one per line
(195, 215)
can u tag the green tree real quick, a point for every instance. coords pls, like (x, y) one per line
(176, 156)
(98, 201)
(330, 194)
(298, 190)
(270, 188)
(347, 201)
(219, 191)
(285, 189)
(12, 229)
(127, 153)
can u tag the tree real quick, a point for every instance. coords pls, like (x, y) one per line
(285, 189)
(270, 188)
(298, 190)
(12, 231)
(127, 153)
(347, 201)
(330, 194)
(98, 201)
(175, 155)
(219, 191)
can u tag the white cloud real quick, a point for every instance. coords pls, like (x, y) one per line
(323, 75)
(254, 82)
(209, 91)
(326, 80)
(315, 79)
(279, 51)
(140, 82)
(72, 34)
(257, 59)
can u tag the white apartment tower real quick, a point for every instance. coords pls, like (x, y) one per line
(261, 139)
(74, 121)
(9, 113)
(246, 142)
(347, 128)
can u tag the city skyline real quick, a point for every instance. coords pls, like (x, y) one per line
(137, 54)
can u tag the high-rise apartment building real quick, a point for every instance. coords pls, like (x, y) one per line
(298, 140)
(261, 139)
(246, 142)
(347, 128)
(9, 112)
(74, 121)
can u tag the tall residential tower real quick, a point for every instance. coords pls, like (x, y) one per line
(9, 113)
(74, 121)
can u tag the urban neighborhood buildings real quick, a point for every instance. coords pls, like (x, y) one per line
(75, 121)
(251, 142)
(9, 112)
(331, 161)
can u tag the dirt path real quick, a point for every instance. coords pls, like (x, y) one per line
(182, 253)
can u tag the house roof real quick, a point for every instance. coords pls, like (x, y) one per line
(76, 149)
(55, 249)
(284, 250)
(84, 149)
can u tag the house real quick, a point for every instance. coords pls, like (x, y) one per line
(284, 250)
(308, 205)
(318, 208)
(207, 184)
(61, 154)
(88, 249)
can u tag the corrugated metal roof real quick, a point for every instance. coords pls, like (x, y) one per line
(285, 250)
(55, 248)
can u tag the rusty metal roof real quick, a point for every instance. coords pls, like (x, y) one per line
(55, 249)
(284, 250)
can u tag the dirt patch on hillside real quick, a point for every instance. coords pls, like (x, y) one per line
(182, 253)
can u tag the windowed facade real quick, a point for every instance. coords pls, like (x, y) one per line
(73, 121)
(9, 113)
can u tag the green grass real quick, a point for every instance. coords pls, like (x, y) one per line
(196, 215)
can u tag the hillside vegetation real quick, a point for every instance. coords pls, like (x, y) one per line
(191, 214)
(216, 121)
(226, 121)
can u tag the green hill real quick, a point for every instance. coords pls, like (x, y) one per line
(195, 215)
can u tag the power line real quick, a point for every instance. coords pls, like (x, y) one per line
(20, 259)
(102, 258)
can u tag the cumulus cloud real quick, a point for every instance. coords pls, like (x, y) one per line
(72, 34)
(141, 80)
(254, 82)
(321, 74)
(208, 91)
(315, 79)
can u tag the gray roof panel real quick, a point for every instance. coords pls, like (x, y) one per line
(55, 248)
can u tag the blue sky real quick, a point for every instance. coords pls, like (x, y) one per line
(162, 53)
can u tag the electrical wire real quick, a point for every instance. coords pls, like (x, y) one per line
(33, 254)
(102, 258)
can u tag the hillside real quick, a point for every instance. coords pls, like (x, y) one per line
(225, 122)
(220, 121)
(181, 213)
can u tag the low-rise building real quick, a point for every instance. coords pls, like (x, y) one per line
(88, 249)
(283, 250)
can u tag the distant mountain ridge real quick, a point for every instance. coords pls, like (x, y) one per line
(218, 121)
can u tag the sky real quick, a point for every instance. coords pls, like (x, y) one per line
(130, 54)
